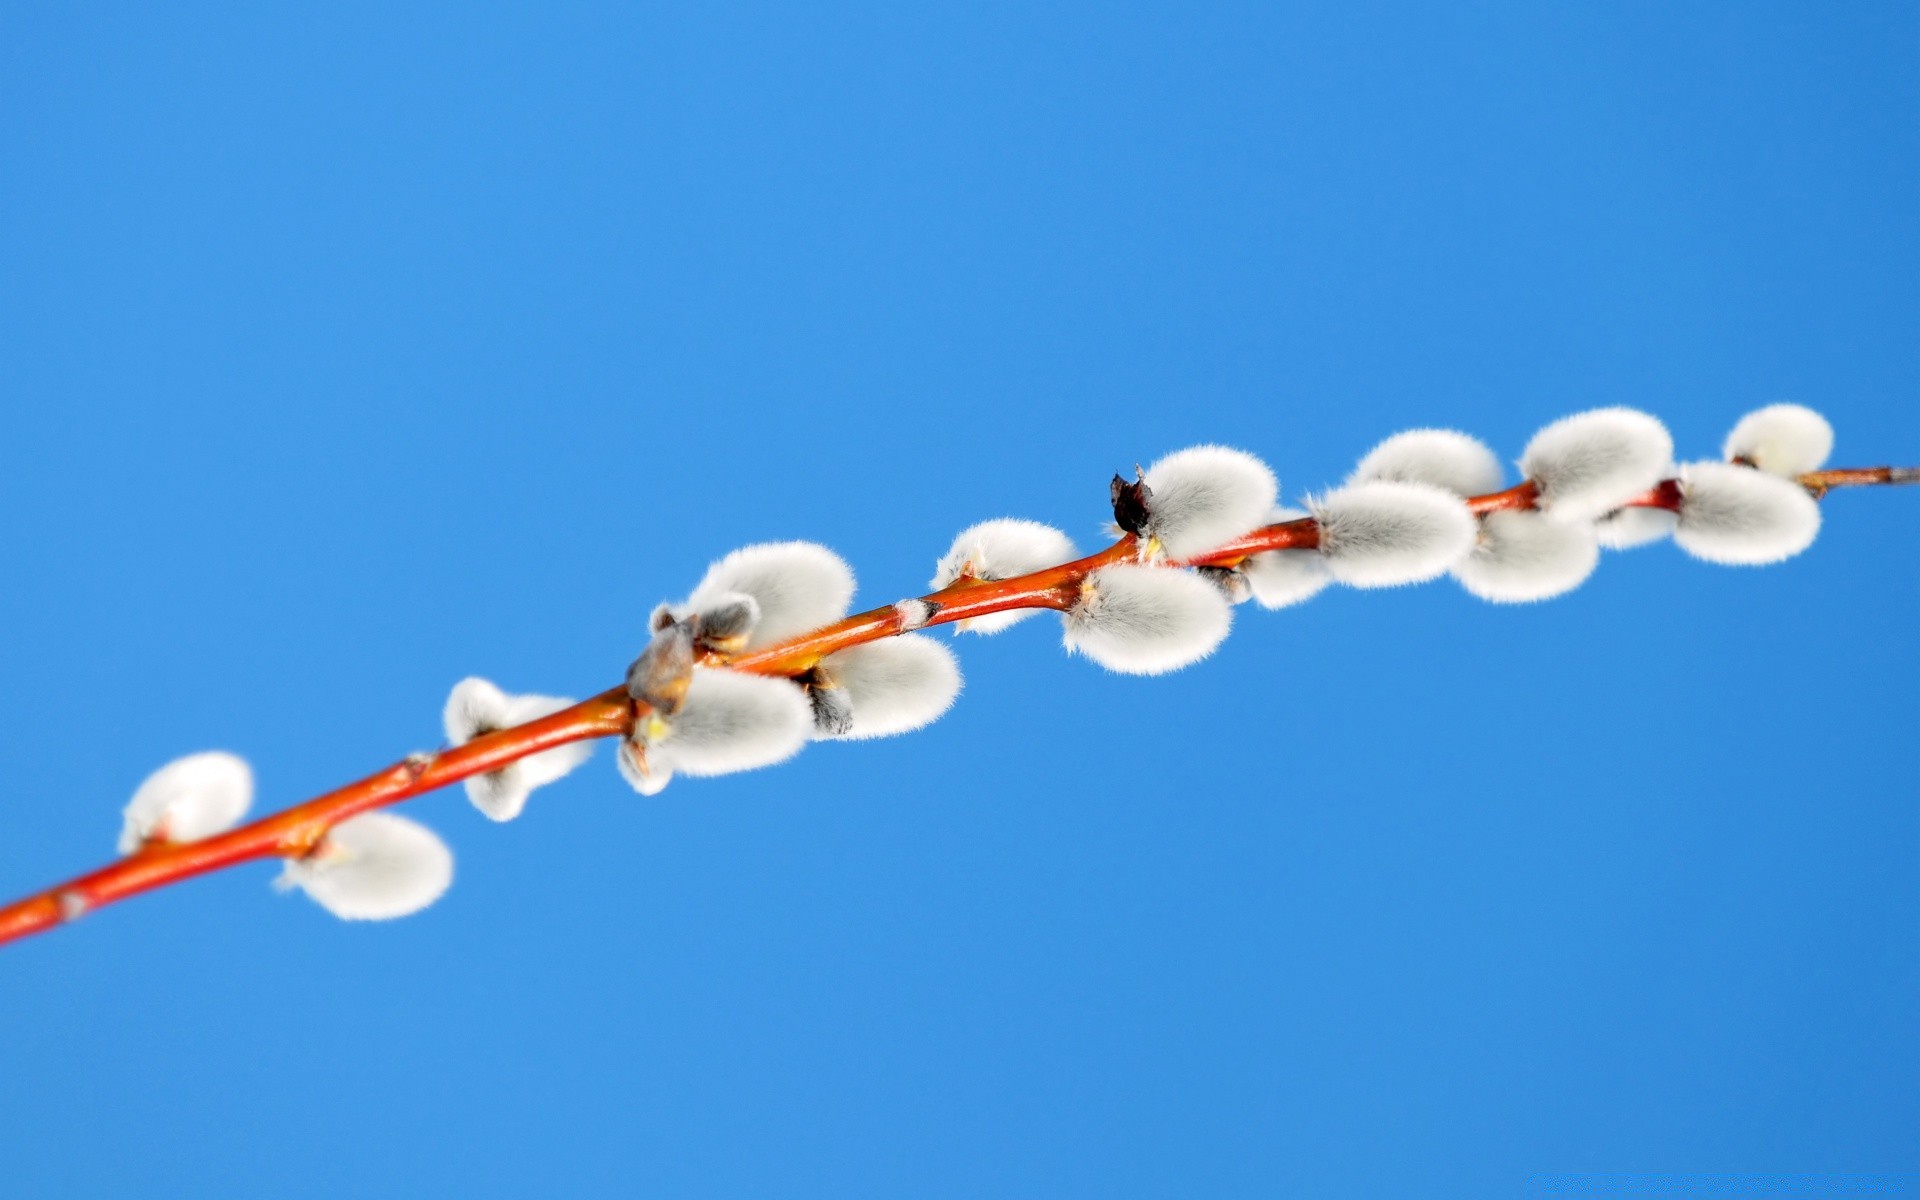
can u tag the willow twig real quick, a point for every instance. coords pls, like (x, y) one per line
(296, 831)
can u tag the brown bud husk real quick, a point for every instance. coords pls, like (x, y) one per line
(663, 672)
(1130, 503)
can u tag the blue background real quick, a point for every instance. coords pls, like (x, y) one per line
(353, 349)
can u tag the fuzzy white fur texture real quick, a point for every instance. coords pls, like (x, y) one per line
(374, 867)
(1002, 549)
(188, 799)
(1526, 556)
(1593, 462)
(648, 781)
(476, 706)
(733, 721)
(1742, 516)
(1782, 439)
(1375, 535)
(1281, 578)
(1231, 581)
(1443, 458)
(1141, 620)
(1205, 496)
(1627, 528)
(894, 686)
(799, 586)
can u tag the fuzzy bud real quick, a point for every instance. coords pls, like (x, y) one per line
(726, 621)
(1781, 439)
(187, 800)
(1141, 620)
(1001, 549)
(477, 707)
(1638, 525)
(640, 771)
(1281, 578)
(1387, 534)
(914, 613)
(1525, 556)
(1742, 516)
(798, 586)
(1442, 458)
(373, 867)
(832, 708)
(892, 686)
(1591, 463)
(1231, 581)
(1203, 497)
(732, 721)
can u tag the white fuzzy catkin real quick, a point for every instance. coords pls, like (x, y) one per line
(895, 685)
(799, 586)
(476, 706)
(732, 721)
(726, 620)
(1376, 535)
(1591, 463)
(1443, 458)
(1639, 525)
(373, 867)
(649, 779)
(1141, 620)
(1280, 578)
(1525, 556)
(1002, 549)
(1782, 439)
(1742, 516)
(188, 799)
(1205, 496)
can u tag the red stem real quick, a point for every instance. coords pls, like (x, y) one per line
(295, 832)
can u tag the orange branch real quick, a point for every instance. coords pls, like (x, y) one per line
(296, 831)
(1522, 495)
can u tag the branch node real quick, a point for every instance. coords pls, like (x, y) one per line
(72, 904)
(914, 614)
(661, 675)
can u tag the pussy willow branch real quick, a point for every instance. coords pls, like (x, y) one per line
(295, 832)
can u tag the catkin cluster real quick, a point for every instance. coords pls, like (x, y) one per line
(1420, 505)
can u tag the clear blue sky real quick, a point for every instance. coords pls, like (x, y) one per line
(351, 349)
